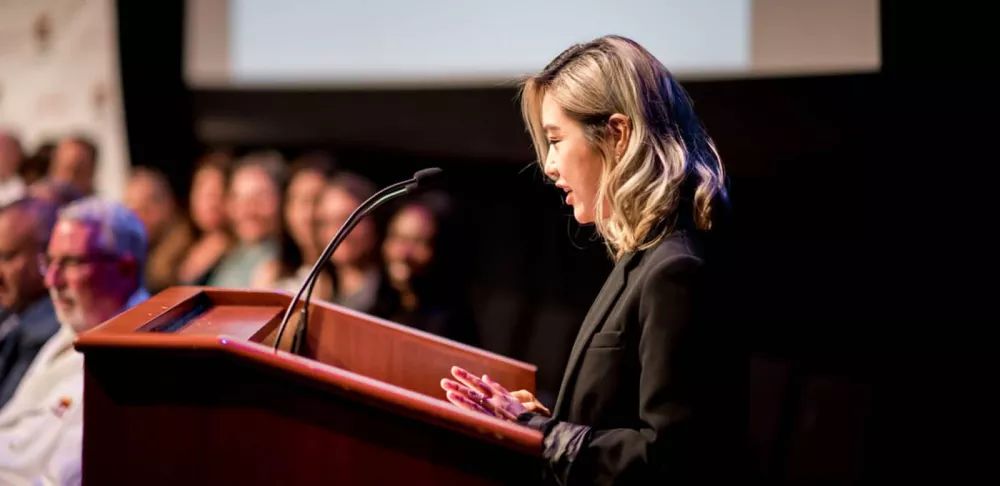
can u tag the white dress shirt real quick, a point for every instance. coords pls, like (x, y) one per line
(41, 427)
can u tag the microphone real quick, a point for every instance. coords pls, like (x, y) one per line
(422, 179)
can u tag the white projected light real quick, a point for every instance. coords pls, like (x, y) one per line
(434, 41)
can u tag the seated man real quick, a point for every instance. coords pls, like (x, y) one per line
(93, 269)
(28, 317)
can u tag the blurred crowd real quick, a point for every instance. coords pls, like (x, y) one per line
(260, 221)
(70, 260)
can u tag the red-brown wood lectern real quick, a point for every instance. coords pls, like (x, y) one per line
(185, 388)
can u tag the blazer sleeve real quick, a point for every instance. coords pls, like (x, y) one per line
(656, 451)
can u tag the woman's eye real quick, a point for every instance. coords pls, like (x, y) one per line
(553, 142)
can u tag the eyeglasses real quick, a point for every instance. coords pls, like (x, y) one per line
(72, 263)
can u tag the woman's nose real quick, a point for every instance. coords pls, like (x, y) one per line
(550, 167)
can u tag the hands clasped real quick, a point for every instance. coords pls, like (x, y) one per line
(486, 396)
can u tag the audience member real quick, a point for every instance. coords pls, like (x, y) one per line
(354, 273)
(417, 245)
(93, 269)
(58, 193)
(298, 248)
(253, 204)
(149, 196)
(36, 166)
(29, 319)
(75, 162)
(12, 185)
(208, 218)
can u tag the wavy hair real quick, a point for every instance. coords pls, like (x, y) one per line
(670, 162)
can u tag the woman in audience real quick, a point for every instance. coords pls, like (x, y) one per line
(208, 218)
(421, 265)
(58, 193)
(148, 194)
(253, 204)
(354, 276)
(36, 167)
(298, 246)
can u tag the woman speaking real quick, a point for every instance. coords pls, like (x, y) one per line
(652, 389)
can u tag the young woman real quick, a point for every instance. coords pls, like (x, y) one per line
(298, 248)
(208, 219)
(651, 391)
(253, 203)
(354, 276)
(419, 252)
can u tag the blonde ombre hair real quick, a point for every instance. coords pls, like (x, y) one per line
(669, 160)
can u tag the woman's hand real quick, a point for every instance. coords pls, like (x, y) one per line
(530, 403)
(482, 395)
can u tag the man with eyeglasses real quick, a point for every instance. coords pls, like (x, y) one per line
(93, 268)
(27, 318)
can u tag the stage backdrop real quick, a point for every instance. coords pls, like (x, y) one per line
(59, 74)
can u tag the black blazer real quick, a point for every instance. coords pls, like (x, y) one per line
(653, 389)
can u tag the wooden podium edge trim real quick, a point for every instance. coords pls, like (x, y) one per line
(343, 382)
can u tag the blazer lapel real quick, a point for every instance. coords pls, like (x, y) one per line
(613, 287)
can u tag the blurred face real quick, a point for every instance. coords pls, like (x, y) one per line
(334, 207)
(71, 164)
(573, 163)
(20, 279)
(254, 203)
(300, 201)
(146, 198)
(409, 244)
(88, 285)
(208, 200)
(10, 156)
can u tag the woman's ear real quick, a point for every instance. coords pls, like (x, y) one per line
(621, 130)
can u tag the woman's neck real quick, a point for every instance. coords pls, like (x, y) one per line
(214, 235)
(309, 256)
(351, 278)
(408, 299)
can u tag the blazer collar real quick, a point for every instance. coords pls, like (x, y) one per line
(612, 289)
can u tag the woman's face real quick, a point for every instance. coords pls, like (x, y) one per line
(300, 200)
(333, 208)
(409, 244)
(208, 190)
(572, 162)
(254, 203)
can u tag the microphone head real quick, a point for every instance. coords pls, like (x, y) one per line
(428, 177)
(425, 178)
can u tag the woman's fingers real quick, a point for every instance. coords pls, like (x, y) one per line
(538, 408)
(471, 381)
(466, 403)
(469, 399)
(495, 386)
(482, 406)
(530, 403)
(454, 386)
(505, 414)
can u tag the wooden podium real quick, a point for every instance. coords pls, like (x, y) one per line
(185, 388)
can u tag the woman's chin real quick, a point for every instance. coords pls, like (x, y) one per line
(582, 216)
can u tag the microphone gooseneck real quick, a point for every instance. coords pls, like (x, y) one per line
(421, 180)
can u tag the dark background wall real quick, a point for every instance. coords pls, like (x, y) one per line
(853, 196)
